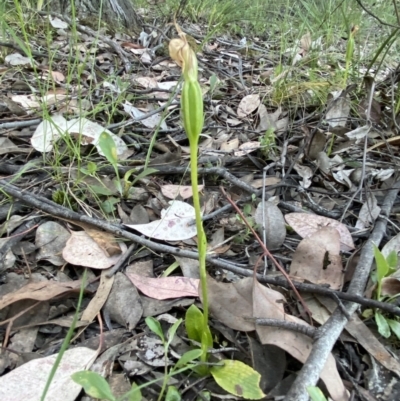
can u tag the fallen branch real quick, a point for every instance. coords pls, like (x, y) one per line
(329, 333)
(55, 209)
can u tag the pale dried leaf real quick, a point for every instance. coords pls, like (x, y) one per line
(175, 224)
(306, 224)
(100, 298)
(246, 148)
(248, 104)
(149, 122)
(304, 172)
(368, 213)
(51, 238)
(229, 145)
(27, 382)
(58, 23)
(83, 250)
(171, 191)
(166, 287)
(17, 59)
(338, 110)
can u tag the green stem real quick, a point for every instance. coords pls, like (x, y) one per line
(201, 237)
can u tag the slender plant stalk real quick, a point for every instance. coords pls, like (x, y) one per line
(193, 121)
(201, 237)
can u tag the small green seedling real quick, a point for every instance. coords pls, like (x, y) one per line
(109, 148)
(96, 385)
(316, 394)
(384, 268)
(349, 53)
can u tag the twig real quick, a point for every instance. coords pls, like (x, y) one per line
(300, 328)
(54, 209)
(115, 46)
(331, 330)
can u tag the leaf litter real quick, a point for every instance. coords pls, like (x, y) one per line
(315, 142)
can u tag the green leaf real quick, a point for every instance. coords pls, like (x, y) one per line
(94, 385)
(315, 393)
(392, 260)
(213, 82)
(383, 326)
(194, 322)
(170, 269)
(205, 395)
(134, 394)
(206, 338)
(395, 326)
(99, 190)
(188, 356)
(172, 330)
(143, 174)
(108, 147)
(238, 379)
(382, 266)
(155, 326)
(172, 394)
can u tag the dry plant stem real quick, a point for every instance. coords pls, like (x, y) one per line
(54, 209)
(328, 334)
(268, 253)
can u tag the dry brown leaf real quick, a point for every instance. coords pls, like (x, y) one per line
(248, 104)
(267, 303)
(171, 191)
(166, 287)
(274, 223)
(306, 224)
(368, 213)
(338, 109)
(231, 303)
(82, 250)
(124, 305)
(246, 148)
(42, 291)
(106, 241)
(100, 298)
(317, 258)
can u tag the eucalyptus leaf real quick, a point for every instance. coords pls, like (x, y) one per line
(395, 327)
(188, 356)
(155, 326)
(172, 394)
(94, 385)
(134, 394)
(172, 331)
(382, 266)
(392, 259)
(383, 325)
(238, 379)
(194, 322)
(108, 147)
(316, 394)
